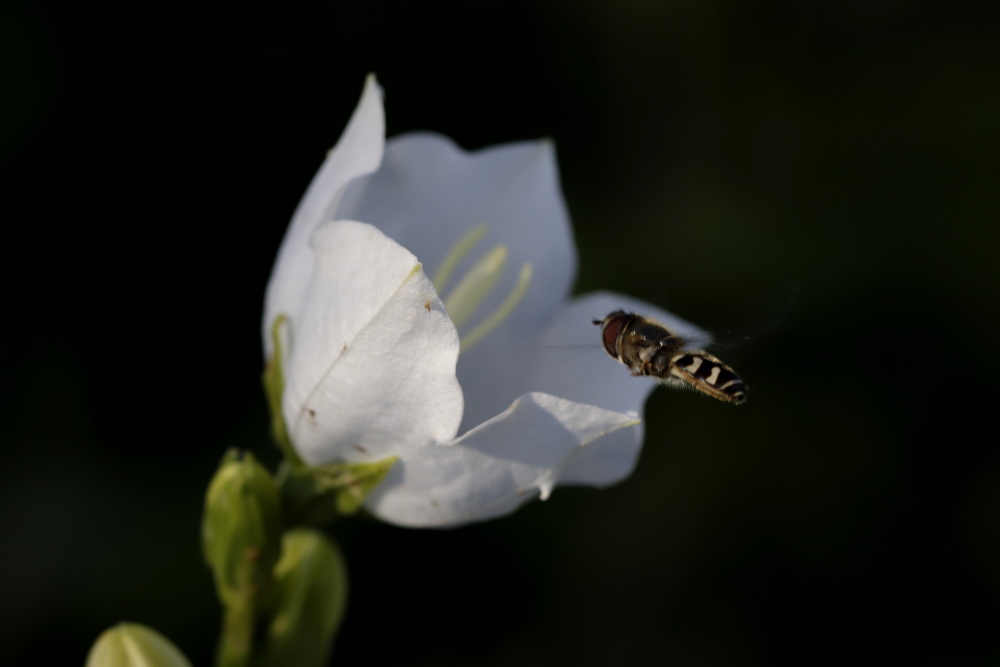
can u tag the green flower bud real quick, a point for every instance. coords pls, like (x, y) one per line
(241, 528)
(134, 645)
(310, 596)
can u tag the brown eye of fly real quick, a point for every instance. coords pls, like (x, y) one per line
(612, 327)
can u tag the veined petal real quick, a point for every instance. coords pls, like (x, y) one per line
(371, 368)
(357, 153)
(492, 470)
(429, 193)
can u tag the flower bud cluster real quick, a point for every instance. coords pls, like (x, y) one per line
(283, 592)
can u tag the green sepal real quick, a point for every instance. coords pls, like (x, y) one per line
(308, 603)
(317, 495)
(274, 388)
(134, 645)
(241, 528)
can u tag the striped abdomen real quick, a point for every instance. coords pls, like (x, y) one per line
(704, 372)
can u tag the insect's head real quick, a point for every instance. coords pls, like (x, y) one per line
(611, 328)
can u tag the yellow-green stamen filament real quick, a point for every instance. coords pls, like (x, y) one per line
(475, 285)
(501, 313)
(456, 254)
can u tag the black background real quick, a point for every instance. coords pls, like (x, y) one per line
(713, 155)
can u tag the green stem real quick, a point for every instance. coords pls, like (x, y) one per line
(236, 642)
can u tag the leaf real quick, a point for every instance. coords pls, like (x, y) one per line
(316, 495)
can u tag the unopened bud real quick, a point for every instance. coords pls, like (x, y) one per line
(241, 527)
(134, 645)
(310, 596)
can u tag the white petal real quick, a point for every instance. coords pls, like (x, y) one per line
(429, 193)
(496, 467)
(358, 152)
(371, 368)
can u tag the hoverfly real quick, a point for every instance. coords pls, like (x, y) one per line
(649, 348)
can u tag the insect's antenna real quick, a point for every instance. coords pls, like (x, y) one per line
(600, 320)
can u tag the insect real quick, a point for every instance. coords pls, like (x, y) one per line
(649, 348)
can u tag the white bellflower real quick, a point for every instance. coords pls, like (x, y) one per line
(371, 344)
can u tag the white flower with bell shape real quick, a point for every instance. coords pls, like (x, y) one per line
(470, 379)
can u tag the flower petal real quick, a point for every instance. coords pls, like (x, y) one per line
(371, 368)
(428, 194)
(358, 152)
(497, 466)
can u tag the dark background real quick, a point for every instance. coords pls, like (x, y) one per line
(714, 154)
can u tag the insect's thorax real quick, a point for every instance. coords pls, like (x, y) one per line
(646, 348)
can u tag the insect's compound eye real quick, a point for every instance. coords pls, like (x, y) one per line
(613, 325)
